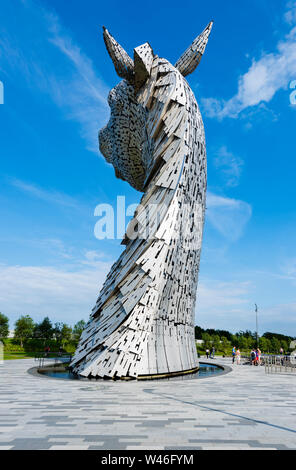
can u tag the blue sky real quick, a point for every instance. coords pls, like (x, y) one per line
(57, 74)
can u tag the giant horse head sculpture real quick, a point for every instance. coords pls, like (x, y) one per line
(126, 141)
(142, 325)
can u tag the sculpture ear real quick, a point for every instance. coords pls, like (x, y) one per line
(123, 64)
(143, 58)
(190, 59)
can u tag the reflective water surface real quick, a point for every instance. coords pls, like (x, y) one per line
(205, 370)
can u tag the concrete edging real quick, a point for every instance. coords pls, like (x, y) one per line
(225, 370)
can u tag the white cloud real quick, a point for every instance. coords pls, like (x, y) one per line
(229, 305)
(267, 75)
(277, 313)
(288, 270)
(280, 318)
(223, 305)
(85, 96)
(50, 196)
(69, 295)
(228, 216)
(56, 66)
(215, 294)
(94, 258)
(62, 294)
(55, 247)
(230, 166)
(290, 15)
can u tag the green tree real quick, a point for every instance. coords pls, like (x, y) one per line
(62, 333)
(268, 345)
(66, 334)
(284, 345)
(24, 328)
(44, 330)
(225, 344)
(79, 327)
(263, 344)
(243, 343)
(57, 331)
(275, 345)
(251, 342)
(235, 340)
(216, 342)
(225, 333)
(279, 336)
(207, 339)
(197, 329)
(4, 326)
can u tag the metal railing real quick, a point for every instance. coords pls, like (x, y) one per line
(52, 357)
(280, 364)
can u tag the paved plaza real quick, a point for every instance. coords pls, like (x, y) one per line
(244, 409)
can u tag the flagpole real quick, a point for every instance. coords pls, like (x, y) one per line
(256, 310)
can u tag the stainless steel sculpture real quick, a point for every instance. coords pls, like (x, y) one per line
(142, 325)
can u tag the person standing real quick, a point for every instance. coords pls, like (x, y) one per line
(213, 352)
(233, 354)
(259, 356)
(256, 357)
(238, 356)
(253, 357)
(207, 353)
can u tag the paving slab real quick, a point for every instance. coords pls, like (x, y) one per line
(244, 409)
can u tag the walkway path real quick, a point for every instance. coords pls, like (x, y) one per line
(244, 409)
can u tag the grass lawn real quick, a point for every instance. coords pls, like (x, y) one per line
(17, 355)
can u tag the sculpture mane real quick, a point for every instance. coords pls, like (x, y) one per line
(142, 325)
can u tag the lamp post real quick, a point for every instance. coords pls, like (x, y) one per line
(256, 310)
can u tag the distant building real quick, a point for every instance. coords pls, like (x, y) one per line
(10, 334)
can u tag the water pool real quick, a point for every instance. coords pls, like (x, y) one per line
(205, 370)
